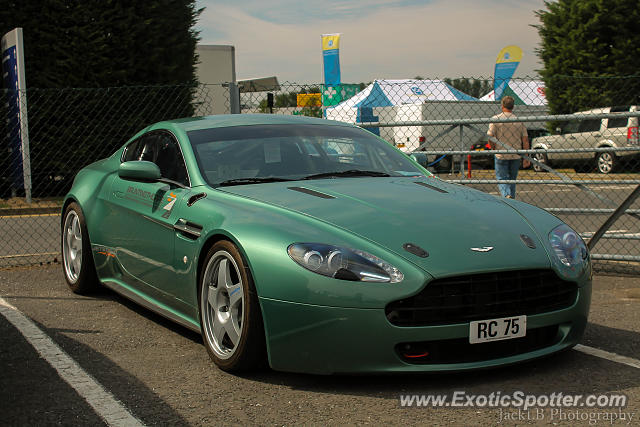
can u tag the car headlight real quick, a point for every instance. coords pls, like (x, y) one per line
(343, 263)
(568, 246)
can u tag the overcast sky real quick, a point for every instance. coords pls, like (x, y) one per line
(385, 39)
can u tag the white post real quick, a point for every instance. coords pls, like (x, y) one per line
(462, 148)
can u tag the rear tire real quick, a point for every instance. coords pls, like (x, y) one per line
(606, 162)
(77, 259)
(230, 316)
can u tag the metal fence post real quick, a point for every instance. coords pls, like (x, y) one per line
(234, 98)
(613, 218)
(461, 149)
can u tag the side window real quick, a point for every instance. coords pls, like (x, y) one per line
(592, 125)
(618, 122)
(132, 152)
(169, 159)
(161, 149)
(570, 127)
(142, 148)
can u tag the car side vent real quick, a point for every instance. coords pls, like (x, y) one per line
(433, 187)
(312, 192)
(195, 198)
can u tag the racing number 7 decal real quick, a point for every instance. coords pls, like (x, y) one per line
(169, 206)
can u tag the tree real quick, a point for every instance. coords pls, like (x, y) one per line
(138, 58)
(584, 45)
(284, 100)
(474, 87)
(105, 43)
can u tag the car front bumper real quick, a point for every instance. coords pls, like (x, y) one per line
(326, 340)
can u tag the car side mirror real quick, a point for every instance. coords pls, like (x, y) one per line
(139, 170)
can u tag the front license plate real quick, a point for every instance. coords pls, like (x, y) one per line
(497, 329)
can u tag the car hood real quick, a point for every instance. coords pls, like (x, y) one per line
(454, 224)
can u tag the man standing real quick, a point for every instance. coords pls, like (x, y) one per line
(512, 135)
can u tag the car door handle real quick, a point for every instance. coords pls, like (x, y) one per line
(188, 229)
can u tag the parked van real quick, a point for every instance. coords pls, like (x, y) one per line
(591, 133)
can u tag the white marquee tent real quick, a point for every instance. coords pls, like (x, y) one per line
(372, 104)
(524, 92)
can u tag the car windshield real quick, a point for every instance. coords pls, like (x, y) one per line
(267, 153)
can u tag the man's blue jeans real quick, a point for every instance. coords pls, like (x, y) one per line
(507, 170)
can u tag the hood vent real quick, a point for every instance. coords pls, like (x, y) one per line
(528, 241)
(415, 249)
(424, 184)
(312, 192)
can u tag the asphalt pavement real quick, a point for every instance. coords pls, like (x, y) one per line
(161, 374)
(32, 391)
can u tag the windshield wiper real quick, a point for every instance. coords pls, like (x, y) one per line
(347, 173)
(243, 181)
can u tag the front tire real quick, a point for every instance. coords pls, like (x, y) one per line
(77, 260)
(230, 316)
(542, 158)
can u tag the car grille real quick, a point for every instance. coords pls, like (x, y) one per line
(483, 296)
(459, 350)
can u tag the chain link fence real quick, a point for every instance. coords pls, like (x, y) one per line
(585, 166)
(63, 131)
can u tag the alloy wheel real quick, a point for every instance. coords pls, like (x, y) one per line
(72, 246)
(222, 302)
(542, 158)
(605, 162)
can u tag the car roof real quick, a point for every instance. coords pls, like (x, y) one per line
(616, 109)
(231, 120)
(595, 111)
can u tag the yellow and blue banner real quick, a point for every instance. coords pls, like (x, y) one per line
(506, 64)
(331, 59)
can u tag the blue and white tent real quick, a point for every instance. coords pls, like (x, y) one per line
(376, 101)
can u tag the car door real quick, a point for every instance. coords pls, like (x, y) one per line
(575, 135)
(563, 140)
(588, 136)
(142, 214)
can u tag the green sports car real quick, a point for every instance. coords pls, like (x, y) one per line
(316, 246)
